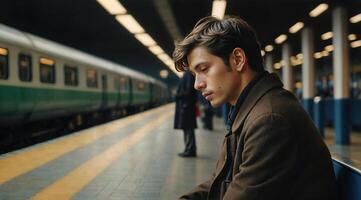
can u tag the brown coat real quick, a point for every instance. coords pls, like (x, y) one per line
(279, 155)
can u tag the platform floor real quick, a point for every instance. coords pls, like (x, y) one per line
(131, 158)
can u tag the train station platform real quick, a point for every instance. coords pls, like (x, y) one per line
(130, 158)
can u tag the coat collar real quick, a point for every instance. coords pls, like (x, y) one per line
(267, 83)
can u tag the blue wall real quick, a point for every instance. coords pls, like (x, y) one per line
(355, 114)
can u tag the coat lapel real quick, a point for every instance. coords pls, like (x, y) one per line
(267, 83)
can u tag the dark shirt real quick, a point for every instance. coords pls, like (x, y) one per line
(235, 109)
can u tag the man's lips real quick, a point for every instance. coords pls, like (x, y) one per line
(206, 95)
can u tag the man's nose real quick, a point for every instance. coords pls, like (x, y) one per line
(199, 84)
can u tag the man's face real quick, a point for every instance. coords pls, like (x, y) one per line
(217, 82)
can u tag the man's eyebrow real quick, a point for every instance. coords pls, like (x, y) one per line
(198, 65)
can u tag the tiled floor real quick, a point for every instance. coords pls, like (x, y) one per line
(112, 161)
(350, 154)
(131, 158)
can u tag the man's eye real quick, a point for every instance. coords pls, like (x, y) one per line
(204, 69)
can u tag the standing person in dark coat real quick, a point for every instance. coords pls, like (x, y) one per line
(185, 113)
(208, 112)
(272, 149)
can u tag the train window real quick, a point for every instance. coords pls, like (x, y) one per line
(25, 67)
(47, 70)
(140, 85)
(4, 63)
(116, 83)
(123, 84)
(92, 78)
(70, 75)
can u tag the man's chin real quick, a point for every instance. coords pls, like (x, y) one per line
(215, 104)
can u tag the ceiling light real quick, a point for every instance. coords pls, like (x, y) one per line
(298, 85)
(326, 35)
(170, 65)
(318, 10)
(299, 62)
(317, 55)
(130, 23)
(164, 73)
(281, 39)
(112, 6)
(352, 37)
(325, 53)
(163, 57)
(145, 39)
(356, 18)
(277, 65)
(356, 43)
(294, 60)
(219, 8)
(268, 48)
(295, 28)
(156, 50)
(329, 48)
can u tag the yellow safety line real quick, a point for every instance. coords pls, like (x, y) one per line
(73, 182)
(23, 162)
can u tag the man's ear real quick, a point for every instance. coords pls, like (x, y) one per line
(239, 59)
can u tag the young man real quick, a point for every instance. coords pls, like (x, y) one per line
(272, 149)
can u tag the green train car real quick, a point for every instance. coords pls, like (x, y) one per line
(42, 80)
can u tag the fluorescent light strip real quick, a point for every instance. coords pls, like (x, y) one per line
(112, 6)
(356, 43)
(327, 35)
(263, 52)
(356, 18)
(329, 48)
(352, 37)
(317, 55)
(325, 53)
(277, 65)
(145, 39)
(268, 48)
(156, 50)
(295, 28)
(293, 59)
(130, 23)
(281, 39)
(318, 10)
(163, 57)
(219, 8)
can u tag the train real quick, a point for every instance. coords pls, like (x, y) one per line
(44, 81)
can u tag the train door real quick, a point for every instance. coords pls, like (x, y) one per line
(104, 90)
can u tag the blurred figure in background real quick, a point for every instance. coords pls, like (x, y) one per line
(185, 113)
(208, 112)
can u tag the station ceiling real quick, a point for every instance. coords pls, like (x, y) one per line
(87, 26)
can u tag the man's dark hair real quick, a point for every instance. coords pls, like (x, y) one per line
(220, 37)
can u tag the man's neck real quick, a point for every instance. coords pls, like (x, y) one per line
(245, 80)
